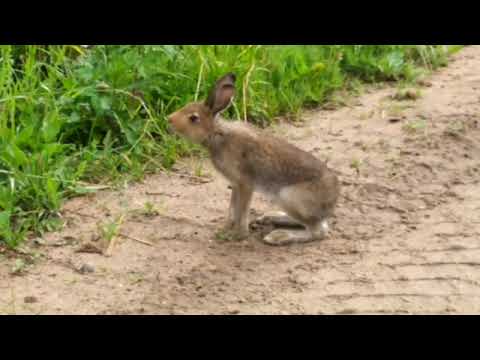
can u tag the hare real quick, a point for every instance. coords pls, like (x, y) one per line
(252, 160)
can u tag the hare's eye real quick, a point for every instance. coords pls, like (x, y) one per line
(194, 118)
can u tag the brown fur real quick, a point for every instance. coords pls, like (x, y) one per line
(253, 160)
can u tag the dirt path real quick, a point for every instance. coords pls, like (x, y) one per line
(406, 238)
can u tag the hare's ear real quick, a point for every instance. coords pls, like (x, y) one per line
(222, 94)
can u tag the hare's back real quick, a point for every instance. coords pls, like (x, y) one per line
(273, 163)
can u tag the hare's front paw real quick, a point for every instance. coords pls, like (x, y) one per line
(278, 218)
(239, 235)
(228, 225)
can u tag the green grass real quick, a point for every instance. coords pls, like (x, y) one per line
(70, 117)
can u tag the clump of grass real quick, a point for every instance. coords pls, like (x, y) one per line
(198, 166)
(415, 126)
(71, 117)
(356, 164)
(455, 129)
(407, 94)
(19, 266)
(397, 109)
(108, 231)
(150, 210)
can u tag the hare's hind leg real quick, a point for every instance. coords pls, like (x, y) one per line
(305, 204)
(279, 219)
(320, 230)
(287, 237)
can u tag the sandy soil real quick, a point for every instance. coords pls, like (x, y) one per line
(405, 240)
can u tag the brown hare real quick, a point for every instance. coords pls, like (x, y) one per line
(252, 160)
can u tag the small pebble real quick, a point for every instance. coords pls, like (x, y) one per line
(86, 268)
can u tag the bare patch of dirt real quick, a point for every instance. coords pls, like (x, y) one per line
(405, 240)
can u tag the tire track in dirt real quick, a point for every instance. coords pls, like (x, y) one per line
(405, 237)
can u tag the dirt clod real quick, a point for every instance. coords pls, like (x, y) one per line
(89, 248)
(30, 299)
